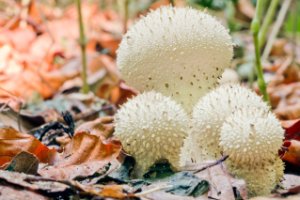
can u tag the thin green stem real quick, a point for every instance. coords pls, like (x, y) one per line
(295, 28)
(82, 43)
(255, 26)
(267, 21)
(172, 2)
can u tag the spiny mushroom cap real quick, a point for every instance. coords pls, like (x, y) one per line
(179, 52)
(151, 127)
(209, 115)
(251, 136)
(260, 179)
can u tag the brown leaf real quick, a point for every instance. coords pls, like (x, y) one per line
(12, 142)
(115, 191)
(10, 193)
(108, 191)
(292, 154)
(292, 129)
(221, 180)
(24, 162)
(31, 182)
(101, 127)
(83, 156)
(121, 94)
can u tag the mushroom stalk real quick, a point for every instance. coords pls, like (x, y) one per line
(255, 26)
(82, 43)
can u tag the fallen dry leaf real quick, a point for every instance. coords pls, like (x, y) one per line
(83, 156)
(290, 181)
(108, 191)
(221, 182)
(292, 129)
(12, 142)
(101, 127)
(121, 93)
(10, 193)
(24, 162)
(31, 182)
(292, 154)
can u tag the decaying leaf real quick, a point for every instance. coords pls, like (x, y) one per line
(83, 156)
(292, 130)
(102, 127)
(12, 142)
(7, 192)
(187, 184)
(109, 191)
(292, 153)
(32, 182)
(24, 162)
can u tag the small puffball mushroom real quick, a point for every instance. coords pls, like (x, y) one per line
(209, 115)
(179, 52)
(152, 128)
(261, 178)
(230, 76)
(251, 136)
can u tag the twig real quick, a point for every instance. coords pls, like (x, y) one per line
(126, 14)
(295, 28)
(212, 164)
(155, 189)
(82, 43)
(255, 26)
(276, 28)
(267, 21)
(172, 2)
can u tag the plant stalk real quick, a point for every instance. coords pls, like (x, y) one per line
(267, 21)
(126, 15)
(172, 2)
(82, 42)
(255, 26)
(276, 28)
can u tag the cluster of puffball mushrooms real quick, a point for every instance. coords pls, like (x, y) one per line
(175, 57)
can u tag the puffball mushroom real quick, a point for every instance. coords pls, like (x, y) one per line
(251, 136)
(179, 52)
(261, 178)
(151, 127)
(209, 115)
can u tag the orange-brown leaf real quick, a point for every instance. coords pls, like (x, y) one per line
(102, 127)
(84, 155)
(292, 154)
(12, 142)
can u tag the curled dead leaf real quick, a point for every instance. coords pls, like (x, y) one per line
(83, 156)
(13, 142)
(292, 152)
(102, 127)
